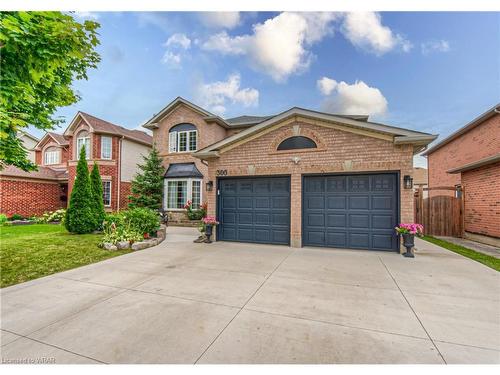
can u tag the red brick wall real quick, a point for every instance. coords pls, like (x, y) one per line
(337, 151)
(478, 143)
(29, 197)
(482, 200)
(124, 193)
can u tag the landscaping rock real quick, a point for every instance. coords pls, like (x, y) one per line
(140, 245)
(109, 246)
(123, 245)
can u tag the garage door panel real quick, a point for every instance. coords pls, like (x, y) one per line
(359, 202)
(336, 202)
(337, 239)
(360, 211)
(254, 209)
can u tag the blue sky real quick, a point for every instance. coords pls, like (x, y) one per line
(431, 72)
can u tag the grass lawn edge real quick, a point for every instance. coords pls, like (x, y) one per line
(487, 260)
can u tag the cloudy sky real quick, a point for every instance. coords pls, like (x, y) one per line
(431, 72)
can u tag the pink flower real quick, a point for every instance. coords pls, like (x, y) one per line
(212, 220)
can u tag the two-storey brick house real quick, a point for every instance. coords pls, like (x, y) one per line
(115, 149)
(470, 158)
(299, 178)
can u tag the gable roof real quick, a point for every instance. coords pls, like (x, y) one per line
(21, 133)
(58, 138)
(400, 135)
(102, 126)
(476, 122)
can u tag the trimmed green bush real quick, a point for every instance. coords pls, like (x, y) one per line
(130, 225)
(16, 217)
(96, 185)
(3, 219)
(80, 215)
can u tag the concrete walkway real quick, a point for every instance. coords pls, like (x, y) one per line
(473, 245)
(182, 302)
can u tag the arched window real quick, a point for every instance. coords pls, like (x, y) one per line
(296, 142)
(51, 156)
(183, 138)
(83, 139)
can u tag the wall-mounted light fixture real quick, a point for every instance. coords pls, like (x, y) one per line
(209, 185)
(408, 182)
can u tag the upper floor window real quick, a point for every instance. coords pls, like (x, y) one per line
(83, 140)
(297, 142)
(183, 138)
(106, 147)
(51, 156)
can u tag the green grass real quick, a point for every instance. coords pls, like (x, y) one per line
(487, 260)
(31, 251)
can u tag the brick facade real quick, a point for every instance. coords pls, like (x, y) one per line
(478, 143)
(338, 151)
(29, 197)
(482, 200)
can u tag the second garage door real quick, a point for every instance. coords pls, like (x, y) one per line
(254, 209)
(351, 211)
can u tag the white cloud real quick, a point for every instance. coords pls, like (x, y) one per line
(365, 31)
(87, 15)
(226, 20)
(178, 40)
(215, 95)
(279, 46)
(435, 46)
(326, 85)
(172, 59)
(357, 98)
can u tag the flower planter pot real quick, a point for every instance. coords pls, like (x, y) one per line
(208, 232)
(409, 243)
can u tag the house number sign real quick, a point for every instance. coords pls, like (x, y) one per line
(221, 172)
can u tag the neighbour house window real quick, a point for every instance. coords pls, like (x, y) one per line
(106, 147)
(181, 191)
(106, 193)
(183, 138)
(51, 156)
(83, 140)
(298, 142)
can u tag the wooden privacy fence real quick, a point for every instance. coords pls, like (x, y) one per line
(440, 214)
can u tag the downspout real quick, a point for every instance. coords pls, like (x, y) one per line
(119, 171)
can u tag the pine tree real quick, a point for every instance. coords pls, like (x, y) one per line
(147, 186)
(98, 204)
(80, 216)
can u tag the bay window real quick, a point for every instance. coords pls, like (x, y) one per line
(179, 191)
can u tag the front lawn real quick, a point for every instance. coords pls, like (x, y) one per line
(485, 259)
(31, 251)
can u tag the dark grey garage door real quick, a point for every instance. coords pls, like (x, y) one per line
(254, 210)
(351, 211)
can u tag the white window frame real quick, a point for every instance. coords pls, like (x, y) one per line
(79, 147)
(110, 139)
(174, 141)
(110, 192)
(189, 192)
(55, 157)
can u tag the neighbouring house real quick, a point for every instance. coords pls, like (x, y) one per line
(420, 179)
(115, 149)
(470, 159)
(29, 142)
(299, 178)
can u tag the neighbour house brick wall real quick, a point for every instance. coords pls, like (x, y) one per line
(338, 151)
(124, 193)
(29, 197)
(482, 200)
(478, 143)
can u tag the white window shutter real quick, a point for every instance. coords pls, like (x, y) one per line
(172, 142)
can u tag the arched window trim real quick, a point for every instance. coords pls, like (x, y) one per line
(83, 139)
(296, 143)
(183, 138)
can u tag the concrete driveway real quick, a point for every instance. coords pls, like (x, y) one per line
(182, 302)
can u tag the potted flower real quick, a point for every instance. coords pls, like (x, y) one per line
(210, 222)
(408, 231)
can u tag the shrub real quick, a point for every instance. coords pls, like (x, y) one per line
(142, 220)
(53, 216)
(147, 186)
(3, 219)
(80, 216)
(16, 217)
(96, 187)
(130, 225)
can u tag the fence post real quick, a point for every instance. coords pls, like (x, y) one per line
(462, 211)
